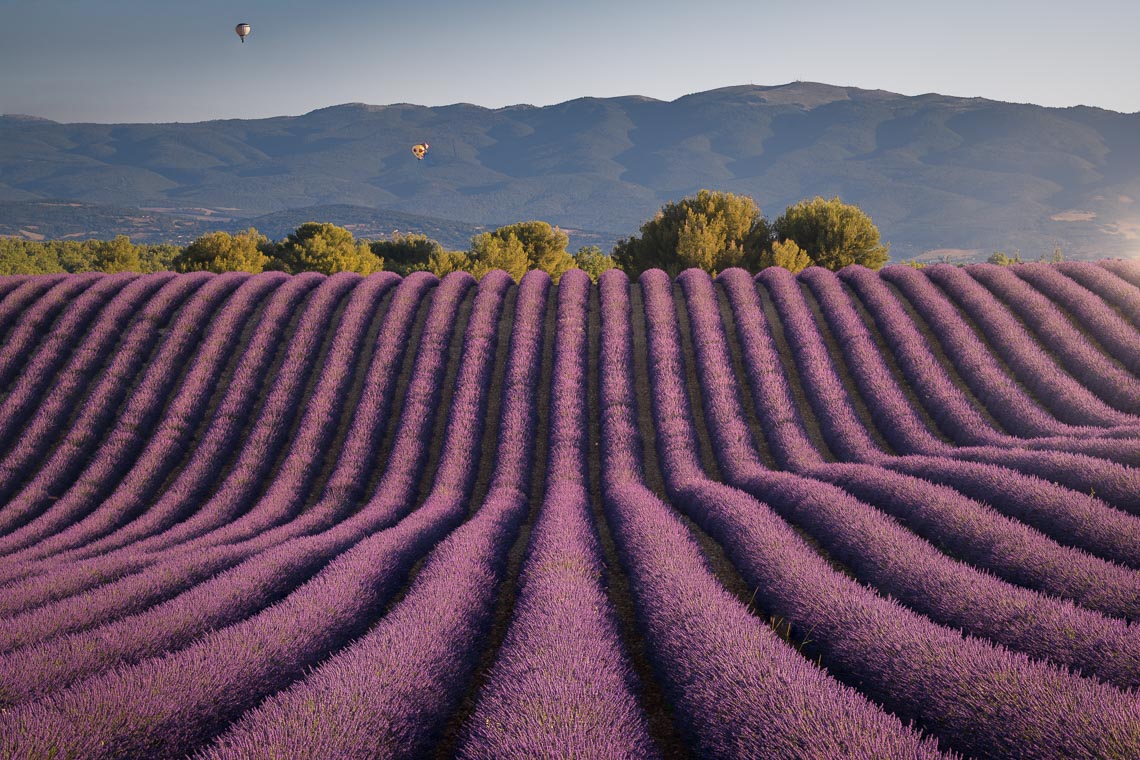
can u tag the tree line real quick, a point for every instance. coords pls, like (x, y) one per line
(712, 230)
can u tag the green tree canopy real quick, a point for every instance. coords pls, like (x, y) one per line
(544, 246)
(324, 247)
(490, 251)
(117, 255)
(408, 252)
(712, 230)
(785, 254)
(223, 252)
(833, 233)
(592, 261)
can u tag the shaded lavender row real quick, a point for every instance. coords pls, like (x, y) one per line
(967, 528)
(79, 385)
(737, 689)
(988, 380)
(1099, 373)
(890, 410)
(35, 321)
(979, 698)
(175, 703)
(132, 484)
(262, 581)
(1065, 397)
(838, 422)
(942, 398)
(561, 685)
(235, 411)
(240, 488)
(389, 694)
(954, 414)
(905, 430)
(10, 282)
(76, 455)
(16, 302)
(75, 348)
(1127, 270)
(1047, 507)
(1115, 291)
(880, 551)
(1119, 338)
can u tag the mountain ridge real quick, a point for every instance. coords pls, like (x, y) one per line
(935, 172)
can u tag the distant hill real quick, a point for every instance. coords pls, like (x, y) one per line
(941, 176)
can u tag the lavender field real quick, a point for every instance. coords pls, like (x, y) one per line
(861, 514)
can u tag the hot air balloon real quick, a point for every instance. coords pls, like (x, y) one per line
(242, 30)
(419, 149)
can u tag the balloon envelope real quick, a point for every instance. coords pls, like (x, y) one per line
(419, 149)
(242, 31)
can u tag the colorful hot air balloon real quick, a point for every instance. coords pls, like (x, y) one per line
(419, 149)
(242, 30)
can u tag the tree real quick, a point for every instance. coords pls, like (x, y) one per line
(592, 261)
(408, 253)
(712, 230)
(544, 246)
(785, 254)
(444, 263)
(327, 248)
(491, 251)
(27, 257)
(999, 258)
(834, 234)
(223, 252)
(117, 255)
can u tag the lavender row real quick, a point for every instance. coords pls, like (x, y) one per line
(1023, 415)
(906, 431)
(186, 697)
(1117, 293)
(249, 587)
(847, 436)
(561, 684)
(72, 352)
(15, 303)
(944, 400)
(235, 410)
(839, 423)
(35, 321)
(345, 594)
(10, 282)
(72, 455)
(71, 574)
(1060, 392)
(942, 397)
(872, 544)
(132, 484)
(179, 569)
(1099, 373)
(979, 698)
(736, 688)
(890, 410)
(1119, 338)
(967, 528)
(1127, 270)
(390, 693)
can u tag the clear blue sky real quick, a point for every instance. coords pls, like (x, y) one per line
(158, 60)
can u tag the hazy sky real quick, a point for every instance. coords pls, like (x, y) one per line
(159, 60)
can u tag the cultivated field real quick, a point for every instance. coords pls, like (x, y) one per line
(884, 514)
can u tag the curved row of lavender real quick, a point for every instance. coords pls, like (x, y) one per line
(851, 514)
